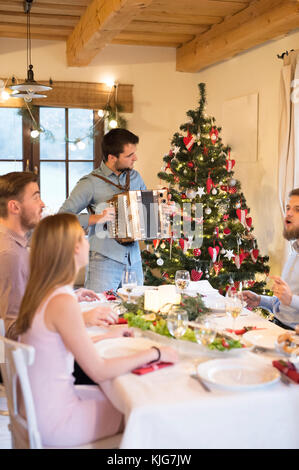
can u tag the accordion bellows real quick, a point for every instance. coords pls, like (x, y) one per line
(139, 215)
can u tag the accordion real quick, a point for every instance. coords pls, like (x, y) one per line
(139, 215)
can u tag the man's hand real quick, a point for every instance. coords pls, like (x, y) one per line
(107, 215)
(86, 295)
(282, 290)
(251, 298)
(100, 316)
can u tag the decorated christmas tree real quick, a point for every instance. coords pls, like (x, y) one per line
(198, 171)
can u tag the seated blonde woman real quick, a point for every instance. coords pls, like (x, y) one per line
(50, 319)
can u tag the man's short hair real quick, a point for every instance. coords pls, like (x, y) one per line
(12, 186)
(294, 192)
(114, 141)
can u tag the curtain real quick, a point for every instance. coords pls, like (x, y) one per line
(288, 138)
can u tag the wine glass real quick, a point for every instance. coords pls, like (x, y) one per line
(129, 281)
(233, 307)
(177, 321)
(206, 332)
(182, 280)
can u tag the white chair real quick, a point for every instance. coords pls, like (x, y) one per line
(25, 433)
(2, 328)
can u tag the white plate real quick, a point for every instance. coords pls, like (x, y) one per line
(136, 292)
(237, 374)
(262, 338)
(116, 347)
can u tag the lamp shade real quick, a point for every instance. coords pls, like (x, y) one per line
(30, 85)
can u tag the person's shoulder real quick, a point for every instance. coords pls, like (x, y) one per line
(62, 301)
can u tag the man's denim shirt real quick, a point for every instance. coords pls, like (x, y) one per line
(93, 191)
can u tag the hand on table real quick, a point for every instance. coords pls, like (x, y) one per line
(86, 295)
(251, 298)
(100, 316)
(168, 354)
(282, 290)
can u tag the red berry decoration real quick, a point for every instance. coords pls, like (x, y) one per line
(190, 164)
(197, 252)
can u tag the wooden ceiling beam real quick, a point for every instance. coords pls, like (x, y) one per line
(261, 21)
(46, 8)
(101, 22)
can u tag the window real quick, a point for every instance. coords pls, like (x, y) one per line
(58, 155)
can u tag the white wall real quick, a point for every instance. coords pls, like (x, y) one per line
(256, 71)
(161, 98)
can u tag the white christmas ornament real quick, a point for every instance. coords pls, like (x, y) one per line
(214, 191)
(200, 191)
(175, 150)
(190, 193)
(229, 254)
(208, 210)
(160, 262)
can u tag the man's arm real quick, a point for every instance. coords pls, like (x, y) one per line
(79, 199)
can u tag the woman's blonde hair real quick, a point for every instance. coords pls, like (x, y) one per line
(52, 262)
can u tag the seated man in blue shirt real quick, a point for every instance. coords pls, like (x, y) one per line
(286, 288)
(108, 258)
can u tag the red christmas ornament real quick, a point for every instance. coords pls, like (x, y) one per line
(183, 196)
(213, 252)
(232, 190)
(209, 184)
(156, 243)
(225, 217)
(254, 255)
(226, 231)
(189, 141)
(248, 222)
(183, 244)
(241, 214)
(205, 150)
(230, 164)
(190, 164)
(214, 135)
(196, 252)
(176, 179)
(196, 275)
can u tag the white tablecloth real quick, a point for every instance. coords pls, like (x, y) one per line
(168, 409)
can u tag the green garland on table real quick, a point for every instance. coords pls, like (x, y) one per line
(138, 317)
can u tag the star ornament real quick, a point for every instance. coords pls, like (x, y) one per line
(175, 150)
(200, 191)
(229, 254)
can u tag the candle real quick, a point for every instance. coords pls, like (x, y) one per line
(151, 300)
(168, 295)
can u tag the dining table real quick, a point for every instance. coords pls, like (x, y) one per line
(169, 408)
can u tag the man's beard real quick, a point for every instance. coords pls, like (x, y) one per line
(292, 234)
(27, 223)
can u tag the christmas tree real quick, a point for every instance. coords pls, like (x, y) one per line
(198, 171)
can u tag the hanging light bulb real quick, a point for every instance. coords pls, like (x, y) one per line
(4, 95)
(113, 124)
(109, 81)
(101, 113)
(81, 145)
(30, 86)
(73, 147)
(34, 134)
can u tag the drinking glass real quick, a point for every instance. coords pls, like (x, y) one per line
(206, 332)
(182, 280)
(233, 307)
(129, 281)
(177, 321)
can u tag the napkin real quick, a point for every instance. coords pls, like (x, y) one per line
(243, 330)
(151, 367)
(288, 369)
(109, 295)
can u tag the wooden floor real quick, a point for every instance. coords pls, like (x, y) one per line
(5, 441)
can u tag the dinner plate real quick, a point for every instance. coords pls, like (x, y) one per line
(264, 338)
(136, 292)
(237, 374)
(115, 347)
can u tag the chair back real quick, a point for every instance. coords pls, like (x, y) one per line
(17, 358)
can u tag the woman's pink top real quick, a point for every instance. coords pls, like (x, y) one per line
(66, 414)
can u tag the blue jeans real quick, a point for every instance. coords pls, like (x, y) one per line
(104, 273)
